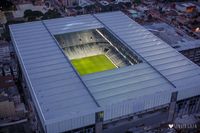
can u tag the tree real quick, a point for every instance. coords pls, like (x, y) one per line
(32, 15)
(27, 13)
(128, 4)
(6, 5)
(75, 4)
(89, 8)
(150, 17)
(137, 1)
(33, 2)
(78, 8)
(51, 14)
(37, 14)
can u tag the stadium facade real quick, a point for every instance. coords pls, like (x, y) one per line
(149, 73)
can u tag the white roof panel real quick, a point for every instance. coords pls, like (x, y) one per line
(54, 83)
(72, 24)
(154, 48)
(124, 83)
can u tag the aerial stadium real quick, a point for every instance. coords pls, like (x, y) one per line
(101, 73)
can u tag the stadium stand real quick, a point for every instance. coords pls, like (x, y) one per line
(82, 44)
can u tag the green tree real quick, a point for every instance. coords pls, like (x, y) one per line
(27, 13)
(89, 8)
(6, 5)
(51, 14)
(37, 14)
(137, 1)
(32, 15)
(78, 8)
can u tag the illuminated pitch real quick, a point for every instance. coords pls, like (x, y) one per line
(92, 64)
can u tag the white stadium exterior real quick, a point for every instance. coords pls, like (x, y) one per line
(65, 101)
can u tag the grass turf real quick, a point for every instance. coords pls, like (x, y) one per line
(92, 64)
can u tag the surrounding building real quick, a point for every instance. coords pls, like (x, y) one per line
(151, 84)
(4, 51)
(3, 19)
(11, 107)
(186, 7)
(35, 2)
(68, 3)
(7, 108)
(84, 3)
(183, 43)
(7, 82)
(191, 50)
(19, 13)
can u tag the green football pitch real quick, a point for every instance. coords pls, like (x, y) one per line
(92, 64)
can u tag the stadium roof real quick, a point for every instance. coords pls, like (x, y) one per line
(61, 96)
(50, 75)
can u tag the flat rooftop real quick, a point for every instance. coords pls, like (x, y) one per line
(169, 34)
(65, 100)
